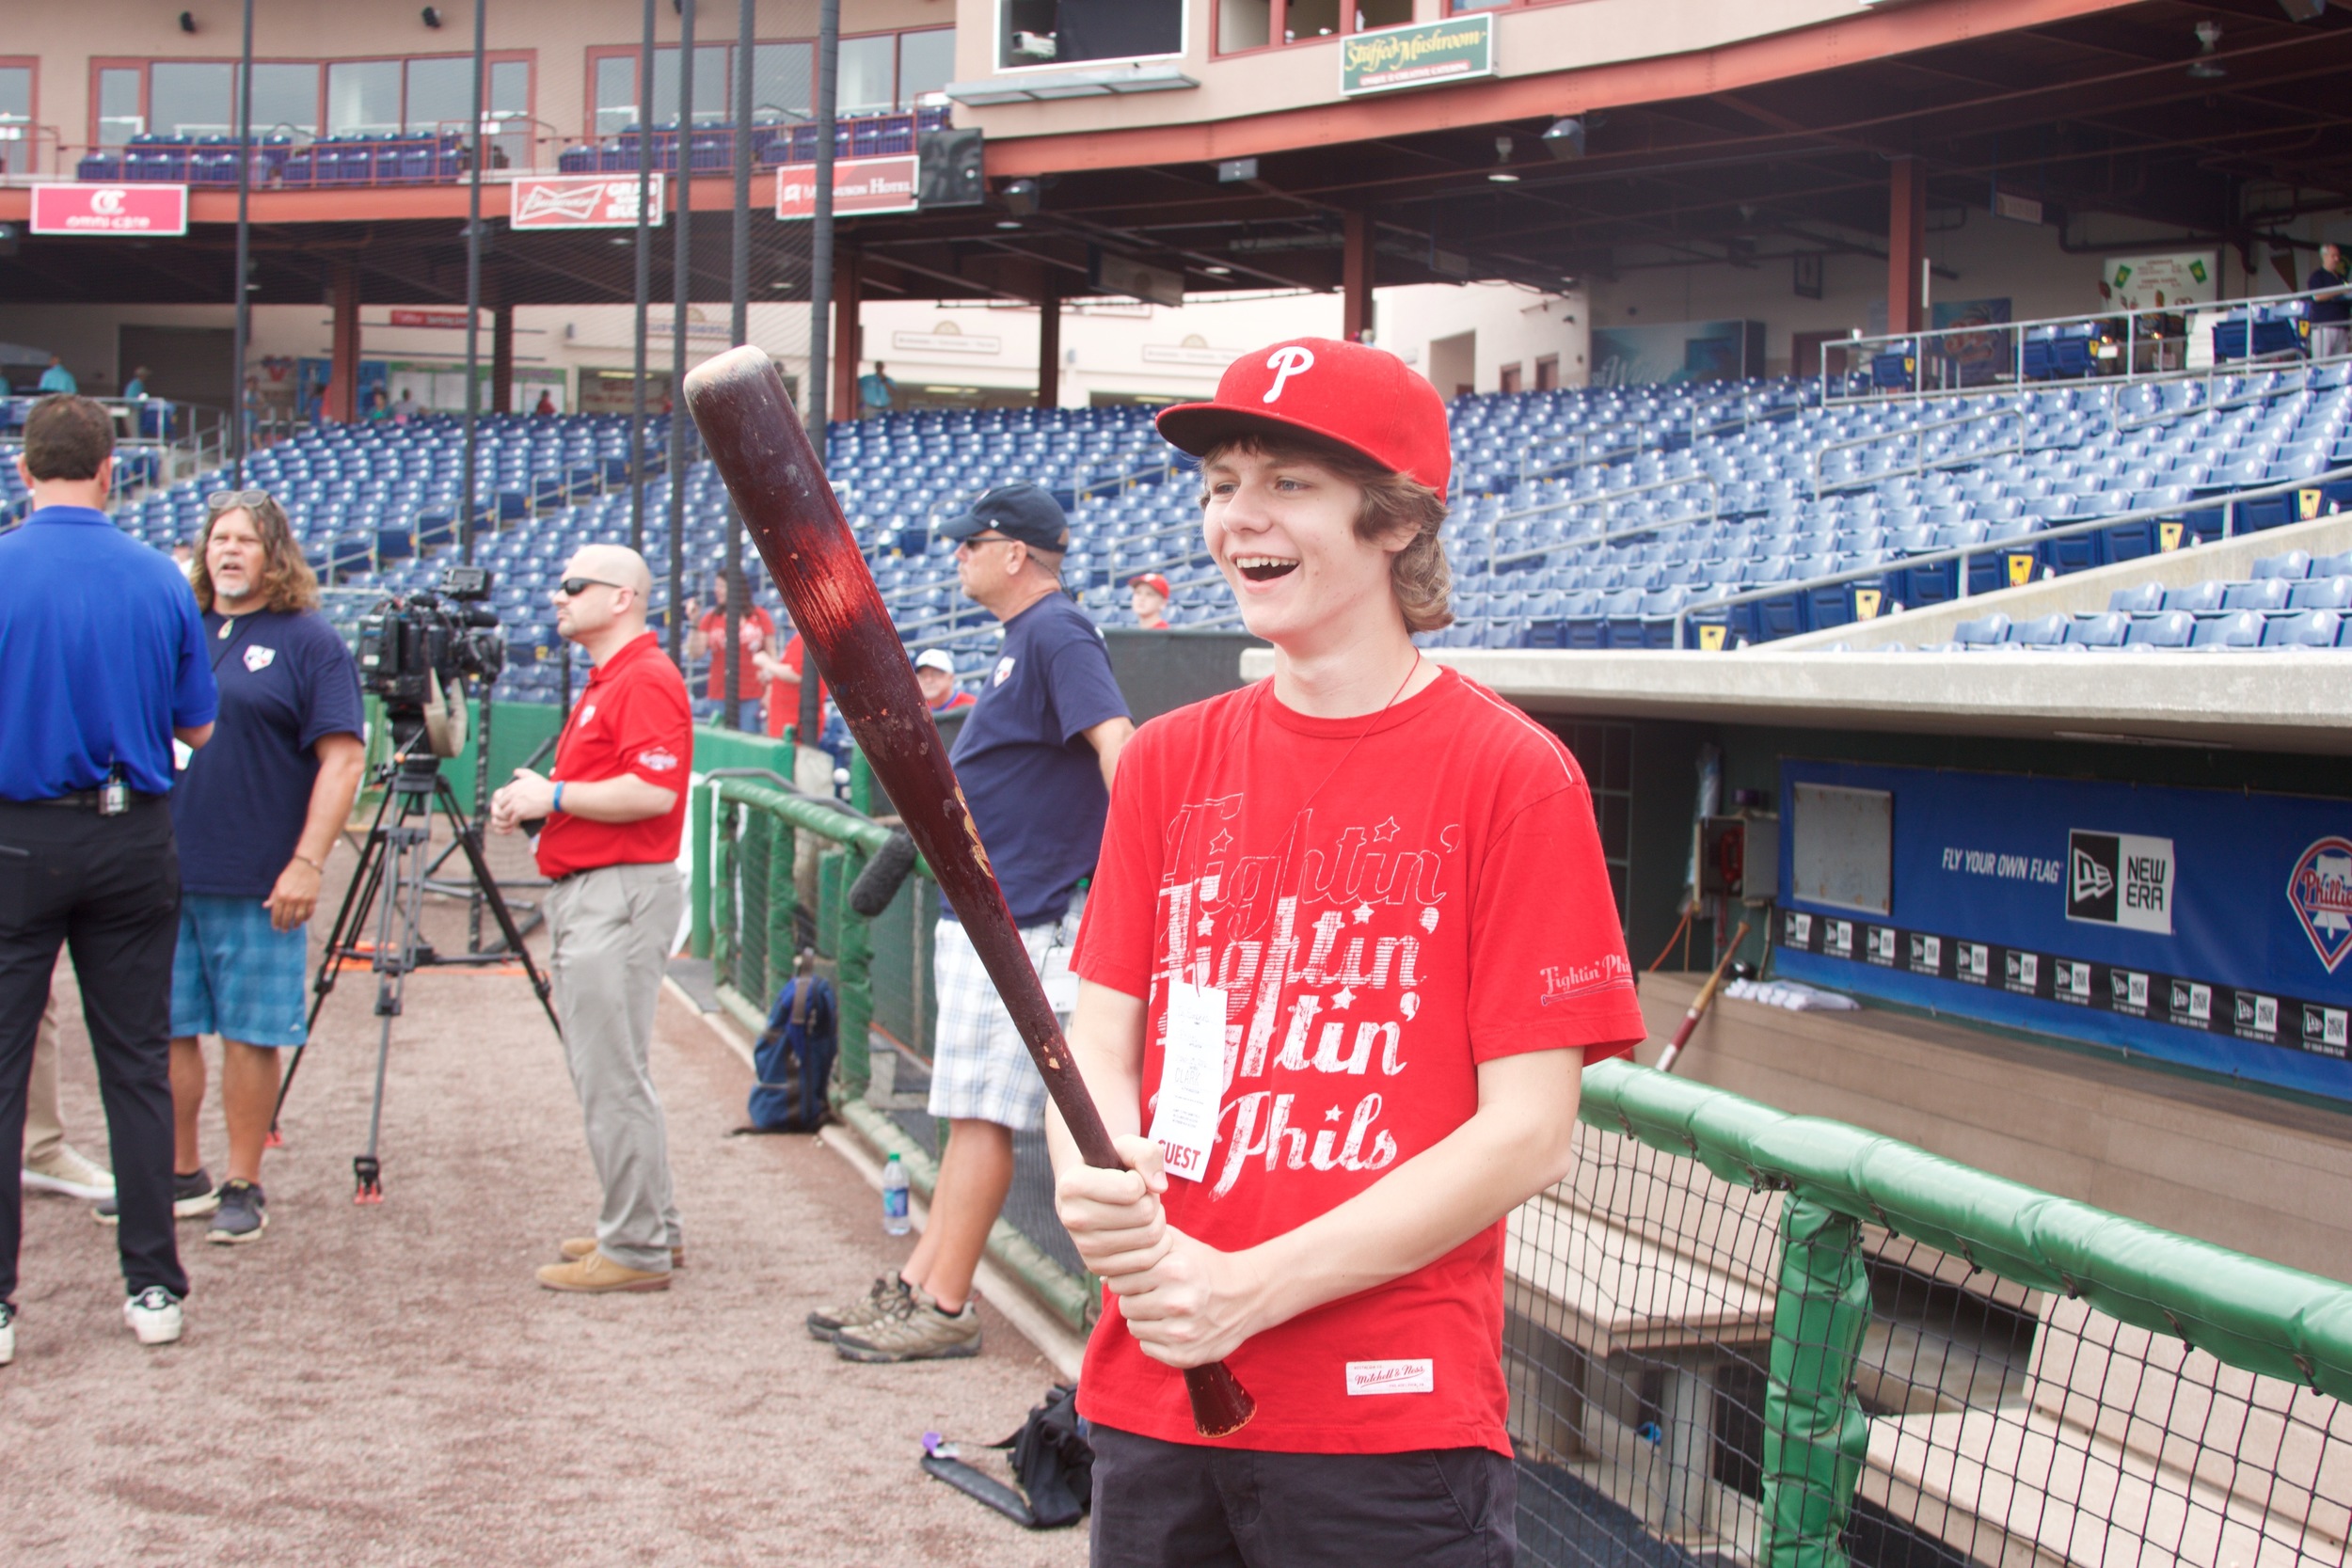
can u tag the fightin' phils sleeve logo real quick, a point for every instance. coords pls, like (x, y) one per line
(2320, 888)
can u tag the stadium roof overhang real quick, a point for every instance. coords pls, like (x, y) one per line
(1729, 157)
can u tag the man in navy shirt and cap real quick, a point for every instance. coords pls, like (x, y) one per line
(102, 666)
(1035, 758)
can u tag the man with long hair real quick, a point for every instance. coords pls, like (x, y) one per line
(102, 667)
(257, 813)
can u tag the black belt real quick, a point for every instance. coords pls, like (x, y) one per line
(86, 799)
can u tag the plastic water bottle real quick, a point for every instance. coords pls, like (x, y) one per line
(894, 1219)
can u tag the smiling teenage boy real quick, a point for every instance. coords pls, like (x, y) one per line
(1350, 945)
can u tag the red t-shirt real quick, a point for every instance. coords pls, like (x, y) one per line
(633, 718)
(784, 696)
(955, 699)
(758, 632)
(1386, 902)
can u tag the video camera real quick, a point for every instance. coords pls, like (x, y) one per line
(418, 652)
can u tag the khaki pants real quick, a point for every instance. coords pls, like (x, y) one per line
(43, 1132)
(613, 927)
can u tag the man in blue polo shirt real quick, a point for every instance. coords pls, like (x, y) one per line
(102, 665)
(1035, 758)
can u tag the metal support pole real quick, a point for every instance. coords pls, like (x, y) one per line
(645, 284)
(1816, 1434)
(820, 304)
(738, 331)
(681, 295)
(473, 292)
(237, 411)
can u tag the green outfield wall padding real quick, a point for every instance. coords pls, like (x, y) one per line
(2259, 1316)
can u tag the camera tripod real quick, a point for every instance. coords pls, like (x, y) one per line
(390, 881)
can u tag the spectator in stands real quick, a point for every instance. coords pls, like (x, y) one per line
(103, 666)
(137, 387)
(257, 814)
(1148, 593)
(2331, 310)
(876, 392)
(1340, 1235)
(406, 407)
(1035, 756)
(710, 633)
(56, 378)
(51, 1164)
(545, 408)
(379, 408)
(782, 675)
(183, 556)
(613, 808)
(935, 673)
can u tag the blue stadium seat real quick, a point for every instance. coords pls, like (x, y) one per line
(2198, 599)
(2310, 629)
(2044, 632)
(2294, 565)
(2263, 594)
(2322, 592)
(2144, 598)
(2238, 628)
(2166, 628)
(1982, 632)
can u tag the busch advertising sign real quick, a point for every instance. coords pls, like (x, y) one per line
(78, 209)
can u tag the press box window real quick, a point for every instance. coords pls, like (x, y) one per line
(1080, 32)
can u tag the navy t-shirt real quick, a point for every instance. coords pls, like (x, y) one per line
(286, 680)
(101, 657)
(2328, 312)
(1033, 781)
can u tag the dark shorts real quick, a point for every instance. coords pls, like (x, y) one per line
(1182, 1505)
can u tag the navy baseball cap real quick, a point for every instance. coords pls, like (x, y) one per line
(1022, 511)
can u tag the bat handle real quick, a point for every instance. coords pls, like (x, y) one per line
(1220, 1405)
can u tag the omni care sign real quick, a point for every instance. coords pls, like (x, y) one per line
(87, 209)
(2207, 927)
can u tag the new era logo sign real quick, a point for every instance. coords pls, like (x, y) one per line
(2119, 880)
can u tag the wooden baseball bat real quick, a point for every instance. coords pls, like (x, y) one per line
(762, 450)
(1700, 1003)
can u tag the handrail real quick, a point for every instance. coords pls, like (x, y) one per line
(1605, 496)
(1632, 531)
(2261, 1317)
(1969, 552)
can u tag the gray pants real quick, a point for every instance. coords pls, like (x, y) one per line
(2328, 341)
(613, 927)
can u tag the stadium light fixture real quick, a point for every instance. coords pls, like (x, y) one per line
(1564, 139)
(1503, 155)
(187, 21)
(1218, 272)
(2205, 68)
(2304, 11)
(1019, 198)
(432, 15)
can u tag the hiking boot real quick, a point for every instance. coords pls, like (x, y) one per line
(580, 1246)
(7, 1334)
(66, 1169)
(193, 1196)
(241, 1216)
(597, 1275)
(915, 1330)
(153, 1315)
(877, 1303)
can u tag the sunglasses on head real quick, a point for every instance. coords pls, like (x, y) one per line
(224, 501)
(572, 588)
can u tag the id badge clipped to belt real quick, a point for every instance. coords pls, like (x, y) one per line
(114, 796)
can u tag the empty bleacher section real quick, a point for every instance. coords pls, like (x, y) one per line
(1601, 518)
(282, 162)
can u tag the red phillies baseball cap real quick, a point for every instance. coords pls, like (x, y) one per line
(1364, 398)
(1153, 580)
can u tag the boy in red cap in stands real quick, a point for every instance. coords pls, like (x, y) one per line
(1149, 594)
(1349, 946)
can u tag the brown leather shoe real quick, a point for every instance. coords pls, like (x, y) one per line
(597, 1274)
(580, 1246)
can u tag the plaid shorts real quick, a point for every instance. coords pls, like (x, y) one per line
(234, 976)
(981, 1071)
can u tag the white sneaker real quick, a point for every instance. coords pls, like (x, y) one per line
(153, 1315)
(68, 1170)
(7, 1334)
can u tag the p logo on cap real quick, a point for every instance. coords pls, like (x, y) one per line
(1285, 362)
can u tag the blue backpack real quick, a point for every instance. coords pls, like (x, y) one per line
(794, 1057)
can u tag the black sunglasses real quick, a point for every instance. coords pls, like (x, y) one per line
(223, 500)
(572, 588)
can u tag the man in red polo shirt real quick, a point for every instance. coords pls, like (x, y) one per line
(613, 812)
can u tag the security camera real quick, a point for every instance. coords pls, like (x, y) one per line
(187, 21)
(1565, 140)
(432, 16)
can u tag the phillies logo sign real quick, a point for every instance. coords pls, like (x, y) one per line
(2320, 888)
(84, 209)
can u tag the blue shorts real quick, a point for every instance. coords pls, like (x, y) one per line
(234, 976)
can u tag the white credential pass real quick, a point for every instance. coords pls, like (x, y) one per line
(1192, 1079)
